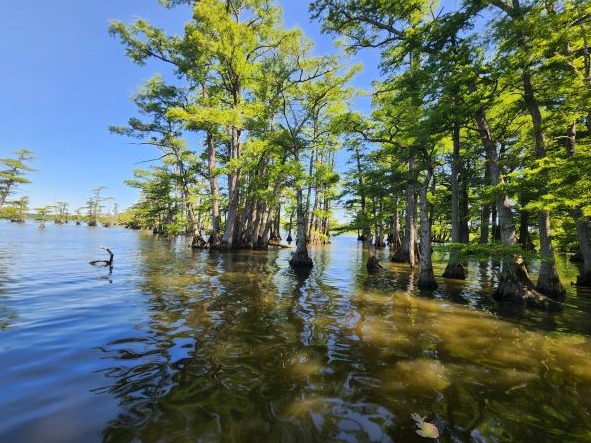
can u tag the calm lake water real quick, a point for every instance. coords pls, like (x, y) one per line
(178, 346)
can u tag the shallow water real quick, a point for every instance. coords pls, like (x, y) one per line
(176, 345)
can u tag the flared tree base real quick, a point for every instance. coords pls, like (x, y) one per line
(373, 264)
(262, 244)
(426, 280)
(516, 287)
(301, 260)
(455, 271)
(549, 282)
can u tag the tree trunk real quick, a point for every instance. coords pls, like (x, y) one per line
(254, 233)
(514, 283)
(584, 238)
(263, 236)
(373, 262)
(464, 212)
(484, 224)
(426, 276)
(406, 254)
(233, 193)
(214, 236)
(361, 185)
(289, 238)
(583, 228)
(495, 233)
(571, 139)
(300, 258)
(455, 268)
(380, 242)
(395, 240)
(548, 280)
(524, 236)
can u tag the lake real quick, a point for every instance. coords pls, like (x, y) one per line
(176, 345)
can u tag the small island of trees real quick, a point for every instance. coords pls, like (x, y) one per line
(480, 144)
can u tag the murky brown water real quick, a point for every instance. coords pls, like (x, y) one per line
(183, 346)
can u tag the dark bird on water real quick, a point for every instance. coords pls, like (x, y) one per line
(108, 262)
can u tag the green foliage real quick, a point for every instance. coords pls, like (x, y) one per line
(13, 172)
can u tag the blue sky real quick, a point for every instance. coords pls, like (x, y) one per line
(64, 80)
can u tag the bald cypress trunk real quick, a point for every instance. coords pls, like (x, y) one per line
(455, 268)
(373, 262)
(514, 283)
(584, 238)
(300, 258)
(361, 186)
(406, 254)
(214, 236)
(228, 239)
(426, 276)
(394, 237)
(582, 225)
(548, 280)
(484, 224)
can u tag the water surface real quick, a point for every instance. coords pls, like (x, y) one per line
(176, 345)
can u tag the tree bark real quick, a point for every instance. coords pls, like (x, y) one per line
(524, 236)
(233, 193)
(406, 254)
(361, 185)
(548, 280)
(373, 262)
(583, 228)
(426, 276)
(514, 283)
(455, 268)
(214, 235)
(484, 224)
(300, 258)
(395, 240)
(584, 238)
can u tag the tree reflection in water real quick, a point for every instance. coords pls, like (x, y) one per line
(238, 347)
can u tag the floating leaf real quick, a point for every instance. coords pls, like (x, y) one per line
(425, 429)
(428, 430)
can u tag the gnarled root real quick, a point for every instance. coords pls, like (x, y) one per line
(515, 286)
(301, 259)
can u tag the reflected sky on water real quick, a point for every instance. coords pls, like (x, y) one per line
(176, 345)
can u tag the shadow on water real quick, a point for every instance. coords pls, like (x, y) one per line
(238, 347)
(267, 351)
